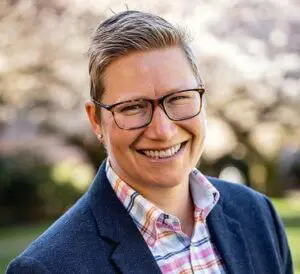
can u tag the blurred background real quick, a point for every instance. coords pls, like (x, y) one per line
(248, 53)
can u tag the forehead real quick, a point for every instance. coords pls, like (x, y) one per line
(150, 74)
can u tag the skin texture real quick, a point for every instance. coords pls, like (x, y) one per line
(152, 74)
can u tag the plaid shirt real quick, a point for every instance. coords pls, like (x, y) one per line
(173, 250)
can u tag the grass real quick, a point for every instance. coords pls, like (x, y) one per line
(289, 210)
(15, 239)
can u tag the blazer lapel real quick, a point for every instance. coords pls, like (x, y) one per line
(131, 254)
(227, 235)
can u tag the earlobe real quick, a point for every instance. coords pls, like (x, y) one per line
(99, 136)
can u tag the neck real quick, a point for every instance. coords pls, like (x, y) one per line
(176, 201)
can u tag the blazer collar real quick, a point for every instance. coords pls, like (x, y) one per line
(131, 254)
(227, 234)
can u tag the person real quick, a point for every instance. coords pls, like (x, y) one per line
(149, 209)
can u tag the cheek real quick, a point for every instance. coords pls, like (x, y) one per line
(119, 141)
(203, 127)
(198, 127)
(199, 131)
(109, 133)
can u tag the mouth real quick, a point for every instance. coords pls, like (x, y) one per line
(163, 153)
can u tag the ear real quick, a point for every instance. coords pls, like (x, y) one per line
(91, 113)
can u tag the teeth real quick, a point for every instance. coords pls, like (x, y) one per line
(163, 153)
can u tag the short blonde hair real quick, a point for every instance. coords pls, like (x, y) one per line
(127, 32)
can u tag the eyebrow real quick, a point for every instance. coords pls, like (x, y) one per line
(132, 99)
(165, 94)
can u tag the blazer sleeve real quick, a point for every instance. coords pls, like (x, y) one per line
(26, 265)
(284, 250)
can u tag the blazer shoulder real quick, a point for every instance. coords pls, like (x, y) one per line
(26, 265)
(230, 190)
(256, 213)
(65, 245)
(236, 199)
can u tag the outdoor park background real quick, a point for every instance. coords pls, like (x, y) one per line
(248, 53)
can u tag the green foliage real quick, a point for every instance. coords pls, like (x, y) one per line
(28, 192)
(20, 179)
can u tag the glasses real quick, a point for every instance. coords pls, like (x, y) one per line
(178, 106)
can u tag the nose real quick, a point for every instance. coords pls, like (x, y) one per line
(161, 127)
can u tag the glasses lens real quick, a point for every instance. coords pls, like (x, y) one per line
(133, 114)
(183, 104)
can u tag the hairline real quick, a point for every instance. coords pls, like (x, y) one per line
(105, 50)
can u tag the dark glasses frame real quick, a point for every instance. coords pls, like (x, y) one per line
(154, 103)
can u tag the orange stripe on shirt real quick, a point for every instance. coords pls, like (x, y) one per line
(148, 218)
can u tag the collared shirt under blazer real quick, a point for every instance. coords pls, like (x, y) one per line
(174, 251)
(97, 235)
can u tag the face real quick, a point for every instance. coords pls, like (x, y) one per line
(150, 75)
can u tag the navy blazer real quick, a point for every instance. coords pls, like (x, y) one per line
(97, 235)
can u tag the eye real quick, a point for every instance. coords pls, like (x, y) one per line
(132, 108)
(179, 99)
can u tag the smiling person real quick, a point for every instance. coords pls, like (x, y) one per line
(149, 210)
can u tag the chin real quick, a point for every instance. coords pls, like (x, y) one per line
(168, 181)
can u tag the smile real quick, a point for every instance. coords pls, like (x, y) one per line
(163, 153)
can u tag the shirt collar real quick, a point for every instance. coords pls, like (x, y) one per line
(205, 195)
(145, 214)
